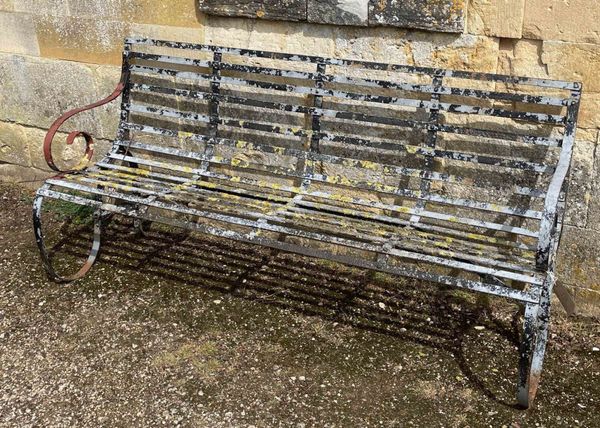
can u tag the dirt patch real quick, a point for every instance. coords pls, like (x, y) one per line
(183, 330)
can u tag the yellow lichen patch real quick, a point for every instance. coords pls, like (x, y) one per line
(368, 165)
(411, 149)
(207, 184)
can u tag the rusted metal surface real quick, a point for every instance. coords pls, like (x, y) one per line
(409, 170)
(89, 142)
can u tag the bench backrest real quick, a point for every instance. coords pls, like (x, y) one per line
(484, 153)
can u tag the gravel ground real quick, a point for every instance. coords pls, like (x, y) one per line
(172, 329)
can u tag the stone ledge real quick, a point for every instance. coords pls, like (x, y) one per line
(434, 15)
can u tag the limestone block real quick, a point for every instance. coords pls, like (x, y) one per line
(580, 183)
(466, 52)
(83, 40)
(182, 13)
(65, 156)
(393, 45)
(164, 32)
(26, 176)
(574, 20)
(380, 44)
(272, 36)
(589, 111)
(521, 58)
(17, 33)
(437, 15)
(497, 18)
(36, 91)
(42, 7)
(289, 10)
(339, 12)
(573, 61)
(594, 210)
(106, 78)
(13, 145)
(7, 5)
(579, 259)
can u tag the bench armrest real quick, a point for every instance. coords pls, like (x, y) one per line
(89, 142)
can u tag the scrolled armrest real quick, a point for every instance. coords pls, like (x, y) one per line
(89, 141)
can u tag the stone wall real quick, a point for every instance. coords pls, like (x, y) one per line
(58, 54)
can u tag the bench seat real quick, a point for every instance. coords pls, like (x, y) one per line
(329, 218)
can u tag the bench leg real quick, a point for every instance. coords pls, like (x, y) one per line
(533, 345)
(39, 238)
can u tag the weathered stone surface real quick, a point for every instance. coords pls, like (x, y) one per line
(339, 12)
(65, 156)
(289, 10)
(580, 183)
(579, 258)
(23, 175)
(7, 5)
(574, 20)
(36, 91)
(437, 15)
(521, 58)
(165, 32)
(594, 210)
(573, 61)
(466, 52)
(13, 148)
(42, 7)
(17, 33)
(181, 13)
(80, 39)
(106, 78)
(373, 44)
(268, 35)
(497, 18)
(589, 111)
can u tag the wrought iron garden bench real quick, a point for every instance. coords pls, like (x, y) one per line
(446, 176)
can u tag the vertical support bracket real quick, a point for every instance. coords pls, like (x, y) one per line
(315, 139)
(430, 140)
(213, 110)
(123, 133)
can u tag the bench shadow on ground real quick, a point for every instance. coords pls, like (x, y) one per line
(413, 312)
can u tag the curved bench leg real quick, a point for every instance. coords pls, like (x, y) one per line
(39, 237)
(533, 345)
